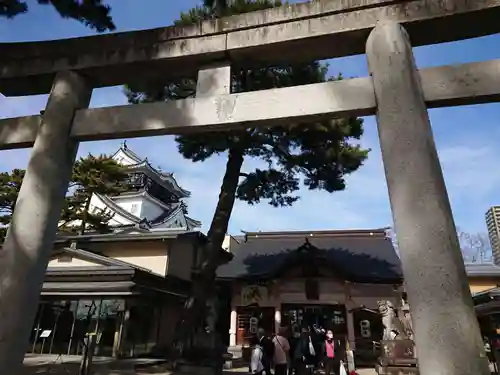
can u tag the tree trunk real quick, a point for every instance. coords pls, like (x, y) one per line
(203, 284)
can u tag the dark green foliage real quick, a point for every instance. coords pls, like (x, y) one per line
(90, 175)
(10, 183)
(319, 154)
(223, 8)
(92, 13)
(216, 6)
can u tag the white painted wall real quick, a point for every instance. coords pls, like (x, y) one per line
(96, 203)
(160, 257)
(123, 159)
(150, 255)
(230, 244)
(150, 210)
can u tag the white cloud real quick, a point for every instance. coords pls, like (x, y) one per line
(471, 169)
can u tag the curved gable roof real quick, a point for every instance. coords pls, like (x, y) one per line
(143, 165)
(360, 256)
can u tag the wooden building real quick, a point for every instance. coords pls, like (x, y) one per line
(128, 289)
(331, 279)
(484, 281)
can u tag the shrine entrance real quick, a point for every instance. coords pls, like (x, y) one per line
(250, 319)
(326, 316)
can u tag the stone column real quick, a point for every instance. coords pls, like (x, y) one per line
(233, 327)
(446, 329)
(29, 241)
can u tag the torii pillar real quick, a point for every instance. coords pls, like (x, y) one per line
(30, 238)
(446, 329)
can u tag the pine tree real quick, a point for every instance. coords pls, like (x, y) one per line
(10, 183)
(217, 7)
(92, 175)
(92, 13)
(318, 154)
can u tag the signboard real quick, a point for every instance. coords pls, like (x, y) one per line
(365, 330)
(253, 325)
(46, 333)
(253, 294)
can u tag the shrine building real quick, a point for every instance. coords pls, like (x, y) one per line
(331, 279)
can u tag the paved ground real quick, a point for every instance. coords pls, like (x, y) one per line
(69, 365)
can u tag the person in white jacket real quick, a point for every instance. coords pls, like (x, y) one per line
(256, 366)
(281, 352)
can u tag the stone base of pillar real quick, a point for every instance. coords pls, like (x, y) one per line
(397, 358)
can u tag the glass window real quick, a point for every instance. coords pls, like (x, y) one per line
(35, 332)
(54, 327)
(110, 317)
(86, 322)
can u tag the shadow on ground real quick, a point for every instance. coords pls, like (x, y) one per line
(69, 365)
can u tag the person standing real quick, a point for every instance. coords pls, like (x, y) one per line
(267, 349)
(281, 350)
(256, 357)
(331, 354)
(305, 353)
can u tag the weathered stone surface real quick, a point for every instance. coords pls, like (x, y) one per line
(472, 83)
(319, 30)
(446, 330)
(29, 241)
(397, 349)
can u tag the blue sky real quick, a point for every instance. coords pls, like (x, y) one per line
(467, 137)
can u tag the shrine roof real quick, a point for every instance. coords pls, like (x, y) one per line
(358, 255)
(137, 164)
(482, 270)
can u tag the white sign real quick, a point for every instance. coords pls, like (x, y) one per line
(364, 326)
(254, 325)
(46, 333)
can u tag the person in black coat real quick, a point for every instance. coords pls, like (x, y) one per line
(305, 353)
(268, 350)
(332, 353)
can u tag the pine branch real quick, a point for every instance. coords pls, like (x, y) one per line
(92, 13)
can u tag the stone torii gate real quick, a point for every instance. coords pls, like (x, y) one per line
(446, 331)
